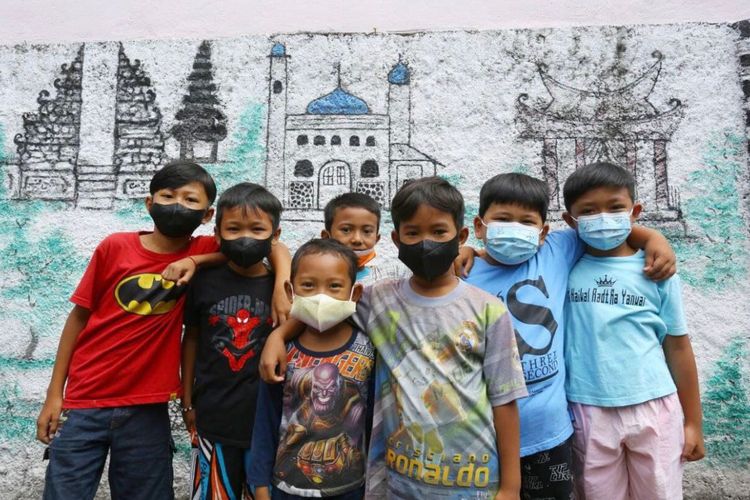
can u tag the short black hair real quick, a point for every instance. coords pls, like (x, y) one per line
(433, 191)
(350, 200)
(596, 175)
(517, 189)
(328, 246)
(179, 173)
(249, 196)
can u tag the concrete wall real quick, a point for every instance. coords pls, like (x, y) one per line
(667, 101)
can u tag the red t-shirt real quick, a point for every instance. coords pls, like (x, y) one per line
(129, 351)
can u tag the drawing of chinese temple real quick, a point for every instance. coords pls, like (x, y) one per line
(579, 126)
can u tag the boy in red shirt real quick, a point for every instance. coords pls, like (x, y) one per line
(120, 348)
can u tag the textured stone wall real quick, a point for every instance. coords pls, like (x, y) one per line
(83, 126)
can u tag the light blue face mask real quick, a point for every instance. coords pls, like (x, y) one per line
(511, 243)
(604, 231)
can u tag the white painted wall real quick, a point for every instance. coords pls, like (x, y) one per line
(85, 20)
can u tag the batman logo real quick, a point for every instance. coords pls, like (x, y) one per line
(147, 294)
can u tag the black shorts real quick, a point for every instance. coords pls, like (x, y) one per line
(547, 475)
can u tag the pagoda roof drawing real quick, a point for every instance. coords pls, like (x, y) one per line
(625, 110)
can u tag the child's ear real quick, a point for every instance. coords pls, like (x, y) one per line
(377, 238)
(478, 228)
(569, 220)
(288, 290)
(357, 292)
(543, 234)
(325, 234)
(637, 209)
(275, 236)
(394, 238)
(217, 235)
(149, 203)
(463, 235)
(208, 215)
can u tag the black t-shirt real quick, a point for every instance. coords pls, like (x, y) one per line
(234, 316)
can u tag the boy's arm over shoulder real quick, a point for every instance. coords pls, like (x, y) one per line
(661, 261)
(502, 365)
(203, 252)
(566, 245)
(265, 440)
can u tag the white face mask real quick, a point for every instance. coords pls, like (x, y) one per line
(322, 311)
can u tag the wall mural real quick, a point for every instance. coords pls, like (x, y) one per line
(83, 127)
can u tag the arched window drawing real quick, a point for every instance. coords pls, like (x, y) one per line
(301, 140)
(303, 168)
(277, 87)
(369, 169)
(319, 140)
(335, 141)
(370, 141)
(354, 140)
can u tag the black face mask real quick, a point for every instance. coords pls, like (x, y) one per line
(175, 220)
(245, 251)
(429, 259)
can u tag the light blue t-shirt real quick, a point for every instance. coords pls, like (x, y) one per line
(534, 293)
(617, 321)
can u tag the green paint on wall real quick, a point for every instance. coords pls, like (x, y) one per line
(17, 414)
(717, 256)
(727, 410)
(246, 160)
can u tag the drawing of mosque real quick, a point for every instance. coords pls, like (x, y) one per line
(338, 145)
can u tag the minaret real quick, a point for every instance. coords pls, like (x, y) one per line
(275, 131)
(399, 104)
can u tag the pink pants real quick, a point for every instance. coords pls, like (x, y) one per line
(630, 452)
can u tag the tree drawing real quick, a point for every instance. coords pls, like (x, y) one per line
(727, 410)
(201, 123)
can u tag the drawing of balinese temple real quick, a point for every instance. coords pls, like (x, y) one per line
(67, 152)
(338, 145)
(579, 126)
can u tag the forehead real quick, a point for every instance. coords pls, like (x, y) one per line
(322, 266)
(354, 215)
(603, 194)
(427, 215)
(245, 214)
(512, 209)
(195, 188)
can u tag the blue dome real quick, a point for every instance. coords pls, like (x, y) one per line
(399, 75)
(338, 102)
(278, 50)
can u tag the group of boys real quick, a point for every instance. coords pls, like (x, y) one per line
(417, 384)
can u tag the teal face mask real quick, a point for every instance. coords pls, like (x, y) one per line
(604, 231)
(511, 243)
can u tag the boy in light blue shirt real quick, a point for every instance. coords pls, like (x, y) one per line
(631, 375)
(527, 267)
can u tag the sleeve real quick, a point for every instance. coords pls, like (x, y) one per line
(502, 365)
(362, 313)
(567, 245)
(672, 311)
(91, 285)
(265, 440)
(191, 314)
(203, 245)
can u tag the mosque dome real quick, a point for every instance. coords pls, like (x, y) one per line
(338, 102)
(278, 50)
(399, 74)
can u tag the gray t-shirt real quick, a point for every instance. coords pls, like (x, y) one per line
(443, 363)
